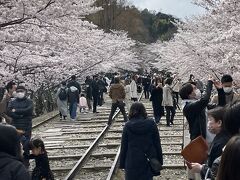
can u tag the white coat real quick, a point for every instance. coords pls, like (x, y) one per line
(133, 89)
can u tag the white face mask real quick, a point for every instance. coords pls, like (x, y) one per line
(198, 94)
(14, 94)
(227, 90)
(20, 95)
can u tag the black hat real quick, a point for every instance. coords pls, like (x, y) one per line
(21, 88)
(9, 140)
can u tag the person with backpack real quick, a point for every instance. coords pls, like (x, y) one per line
(62, 97)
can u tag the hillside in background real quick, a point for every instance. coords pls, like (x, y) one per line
(144, 26)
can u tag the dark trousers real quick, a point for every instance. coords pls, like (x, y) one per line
(170, 113)
(114, 107)
(176, 95)
(146, 93)
(25, 139)
(60, 114)
(73, 110)
(100, 98)
(95, 103)
(89, 103)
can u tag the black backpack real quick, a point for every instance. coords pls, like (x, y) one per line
(62, 94)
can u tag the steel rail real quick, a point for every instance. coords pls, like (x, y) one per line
(115, 163)
(86, 155)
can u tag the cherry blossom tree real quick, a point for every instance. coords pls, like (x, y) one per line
(44, 42)
(207, 44)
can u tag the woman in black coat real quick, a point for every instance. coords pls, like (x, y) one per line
(156, 98)
(140, 138)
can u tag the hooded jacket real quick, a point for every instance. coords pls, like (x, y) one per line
(75, 84)
(117, 92)
(140, 136)
(10, 167)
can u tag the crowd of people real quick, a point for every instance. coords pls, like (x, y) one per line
(211, 113)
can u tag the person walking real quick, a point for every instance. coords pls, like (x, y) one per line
(20, 110)
(95, 93)
(88, 83)
(102, 84)
(167, 101)
(82, 104)
(62, 97)
(140, 141)
(73, 100)
(133, 88)
(175, 89)
(74, 83)
(146, 85)
(74, 89)
(117, 94)
(128, 94)
(156, 98)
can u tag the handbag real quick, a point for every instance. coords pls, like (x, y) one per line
(155, 165)
(153, 162)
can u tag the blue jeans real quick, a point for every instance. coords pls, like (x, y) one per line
(73, 110)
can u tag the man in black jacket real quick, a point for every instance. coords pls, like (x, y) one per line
(74, 89)
(195, 109)
(88, 83)
(10, 166)
(95, 93)
(20, 110)
(74, 83)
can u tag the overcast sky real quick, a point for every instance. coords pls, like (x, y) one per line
(178, 8)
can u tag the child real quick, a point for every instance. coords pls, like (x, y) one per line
(42, 170)
(83, 103)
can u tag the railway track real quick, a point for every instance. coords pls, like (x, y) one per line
(88, 149)
(172, 141)
(83, 147)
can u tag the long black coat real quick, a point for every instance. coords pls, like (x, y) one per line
(156, 98)
(139, 136)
